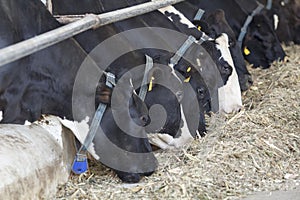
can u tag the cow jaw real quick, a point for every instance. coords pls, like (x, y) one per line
(166, 141)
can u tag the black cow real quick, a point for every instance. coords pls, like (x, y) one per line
(43, 83)
(286, 19)
(214, 24)
(260, 45)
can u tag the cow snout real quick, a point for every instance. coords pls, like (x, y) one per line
(246, 82)
(145, 120)
(129, 177)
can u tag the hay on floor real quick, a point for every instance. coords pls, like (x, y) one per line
(257, 149)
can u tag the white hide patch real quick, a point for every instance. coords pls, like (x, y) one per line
(173, 10)
(276, 21)
(1, 115)
(27, 123)
(80, 131)
(230, 97)
(166, 141)
(44, 1)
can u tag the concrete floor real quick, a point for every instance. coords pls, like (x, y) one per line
(276, 195)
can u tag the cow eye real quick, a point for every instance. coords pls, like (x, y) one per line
(231, 43)
(258, 25)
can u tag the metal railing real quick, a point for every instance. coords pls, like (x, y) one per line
(27, 47)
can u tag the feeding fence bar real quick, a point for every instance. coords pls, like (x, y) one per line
(32, 45)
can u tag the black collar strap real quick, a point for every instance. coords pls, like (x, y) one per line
(247, 22)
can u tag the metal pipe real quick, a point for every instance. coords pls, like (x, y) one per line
(27, 47)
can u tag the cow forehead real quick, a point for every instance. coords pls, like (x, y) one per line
(223, 46)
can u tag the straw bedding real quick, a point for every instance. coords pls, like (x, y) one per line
(257, 149)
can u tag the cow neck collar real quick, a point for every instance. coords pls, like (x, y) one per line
(80, 162)
(181, 51)
(269, 5)
(144, 88)
(249, 19)
(199, 15)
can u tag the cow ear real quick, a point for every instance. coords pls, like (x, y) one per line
(103, 94)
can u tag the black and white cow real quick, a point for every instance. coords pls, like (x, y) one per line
(260, 45)
(158, 95)
(286, 19)
(229, 94)
(214, 24)
(67, 7)
(43, 83)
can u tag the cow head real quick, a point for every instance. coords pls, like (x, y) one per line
(214, 24)
(123, 125)
(165, 91)
(286, 20)
(200, 94)
(261, 46)
(224, 68)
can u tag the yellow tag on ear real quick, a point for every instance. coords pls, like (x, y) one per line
(188, 69)
(187, 79)
(199, 28)
(151, 84)
(246, 51)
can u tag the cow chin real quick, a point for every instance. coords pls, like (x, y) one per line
(129, 177)
(245, 81)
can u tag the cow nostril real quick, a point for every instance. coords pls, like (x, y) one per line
(250, 80)
(145, 120)
(179, 95)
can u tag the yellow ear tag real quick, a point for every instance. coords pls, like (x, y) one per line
(151, 84)
(188, 69)
(199, 28)
(246, 51)
(187, 79)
